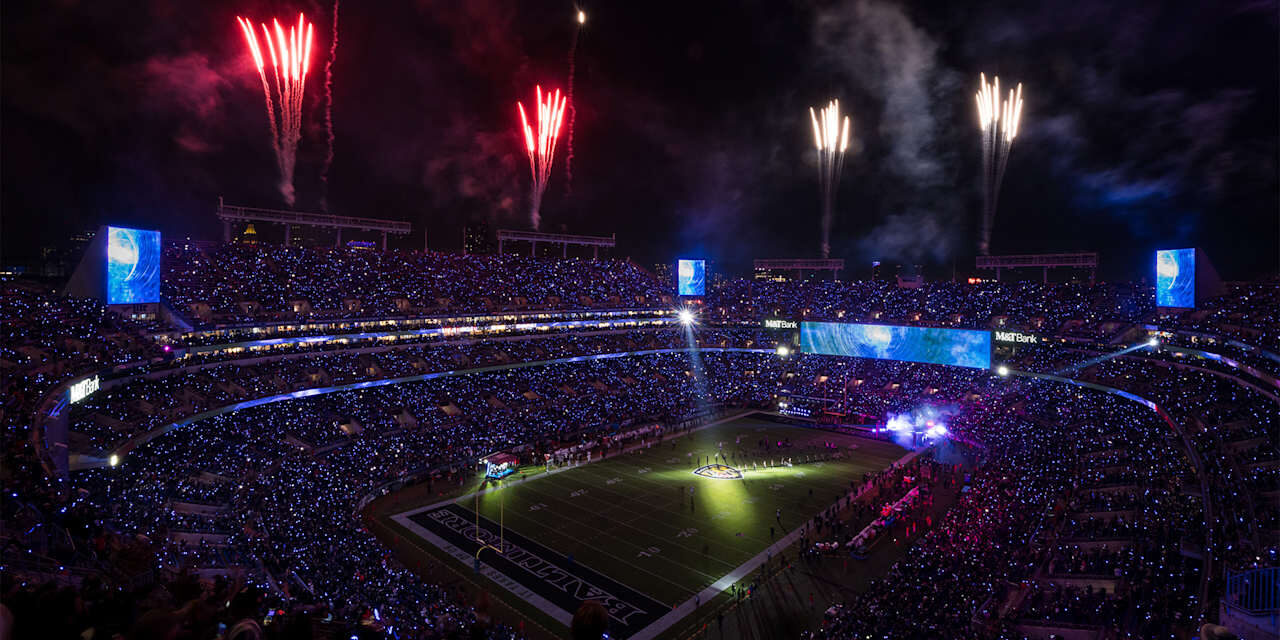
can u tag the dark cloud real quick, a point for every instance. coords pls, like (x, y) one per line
(914, 236)
(478, 173)
(190, 87)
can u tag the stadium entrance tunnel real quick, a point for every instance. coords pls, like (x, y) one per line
(718, 471)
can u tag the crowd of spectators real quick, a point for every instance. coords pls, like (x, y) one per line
(237, 492)
(1010, 554)
(1123, 548)
(1090, 311)
(209, 496)
(111, 416)
(1087, 510)
(1235, 431)
(46, 339)
(243, 283)
(230, 283)
(1248, 312)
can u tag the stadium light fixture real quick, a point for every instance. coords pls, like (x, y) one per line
(114, 460)
(1153, 342)
(783, 351)
(1002, 371)
(685, 316)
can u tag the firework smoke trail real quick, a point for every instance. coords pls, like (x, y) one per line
(290, 64)
(831, 138)
(573, 109)
(998, 123)
(328, 111)
(542, 146)
(1010, 120)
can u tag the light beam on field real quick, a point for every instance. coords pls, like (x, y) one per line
(688, 324)
(831, 138)
(998, 122)
(290, 54)
(540, 144)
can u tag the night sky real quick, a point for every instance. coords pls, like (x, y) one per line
(1147, 124)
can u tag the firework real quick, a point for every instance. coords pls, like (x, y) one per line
(328, 111)
(831, 137)
(541, 144)
(998, 122)
(573, 110)
(290, 63)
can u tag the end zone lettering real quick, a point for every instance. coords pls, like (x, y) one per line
(546, 573)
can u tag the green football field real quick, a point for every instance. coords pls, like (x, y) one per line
(633, 519)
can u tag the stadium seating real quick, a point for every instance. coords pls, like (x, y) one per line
(1089, 513)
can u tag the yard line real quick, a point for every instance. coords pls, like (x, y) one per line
(683, 515)
(558, 470)
(552, 531)
(662, 540)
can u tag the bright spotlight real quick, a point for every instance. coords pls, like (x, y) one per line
(783, 351)
(113, 460)
(1002, 371)
(685, 316)
(1153, 342)
(582, 17)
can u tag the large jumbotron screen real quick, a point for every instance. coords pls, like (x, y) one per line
(692, 277)
(1176, 278)
(133, 266)
(958, 347)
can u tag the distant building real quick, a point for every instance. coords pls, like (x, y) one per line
(57, 261)
(782, 269)
(477, 239)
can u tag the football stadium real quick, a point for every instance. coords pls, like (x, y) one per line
(274, 366)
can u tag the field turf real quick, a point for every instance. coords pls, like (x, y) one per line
(632, 517)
